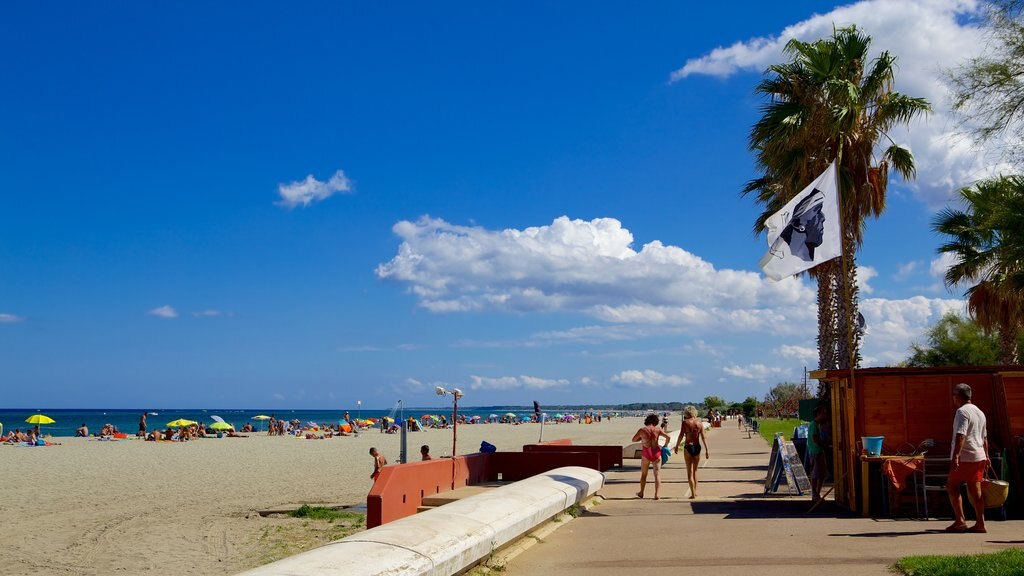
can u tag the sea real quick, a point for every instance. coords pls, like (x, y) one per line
(66, 421)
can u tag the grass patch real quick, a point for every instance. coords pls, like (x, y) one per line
(769, 426)
(308, 527)
(1009, 562)
(322, 513)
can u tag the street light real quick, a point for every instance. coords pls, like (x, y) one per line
(456, 394)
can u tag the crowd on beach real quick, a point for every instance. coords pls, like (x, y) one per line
(30, 437)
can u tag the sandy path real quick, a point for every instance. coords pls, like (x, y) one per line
(133, 507)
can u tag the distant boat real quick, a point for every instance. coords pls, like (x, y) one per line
(154, 414)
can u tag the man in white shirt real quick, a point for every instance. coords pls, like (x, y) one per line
(969, 458)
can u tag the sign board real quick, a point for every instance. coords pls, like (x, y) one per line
(785, 463)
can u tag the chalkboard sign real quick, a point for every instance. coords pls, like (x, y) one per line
(771, 481)
(785, 463)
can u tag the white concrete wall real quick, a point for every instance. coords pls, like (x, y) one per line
(445, 540)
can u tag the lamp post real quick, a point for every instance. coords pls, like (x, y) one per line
(456, 394)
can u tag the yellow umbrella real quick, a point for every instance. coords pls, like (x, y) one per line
(261, 417)
(220, 426)
(180, 423)
(39, 419)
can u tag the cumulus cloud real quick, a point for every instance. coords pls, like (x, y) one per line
(310, 190)
(591, 268)
(163, 312)
(893, 324)
(515, 382)
(928, 37)
(755, 371)
(9, 318)
(648, 378)
(905, 271)
(804, 354)
(864, 276)
(588, 267)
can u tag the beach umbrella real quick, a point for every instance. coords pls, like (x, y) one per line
(38, 419)
(261, 417)
(493, 416)
(180, 423)
(217, 419)
(510, 414)
(221, 426)
(475, 418)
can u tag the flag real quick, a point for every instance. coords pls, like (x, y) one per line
(805, 232)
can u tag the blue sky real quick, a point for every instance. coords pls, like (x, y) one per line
(248, 204)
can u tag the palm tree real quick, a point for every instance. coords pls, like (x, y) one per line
(987, 245)
(827, 103)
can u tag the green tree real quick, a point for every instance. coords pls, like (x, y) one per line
(784, 398)
(749, 405)
(713, 402)
(955, 341)
(989, 90)
(830, 101)
(986, 241)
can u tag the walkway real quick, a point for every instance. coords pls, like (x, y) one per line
(733, 528)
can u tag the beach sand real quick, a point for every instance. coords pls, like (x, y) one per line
(134, 507)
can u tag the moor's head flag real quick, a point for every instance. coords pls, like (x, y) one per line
(805, 232)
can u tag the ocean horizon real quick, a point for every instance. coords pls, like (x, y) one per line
(67, 420)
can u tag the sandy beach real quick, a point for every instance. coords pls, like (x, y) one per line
(134, 507)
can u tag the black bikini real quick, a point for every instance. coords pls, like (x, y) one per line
(692, 449)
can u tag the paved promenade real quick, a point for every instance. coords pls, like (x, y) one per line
(733, 528)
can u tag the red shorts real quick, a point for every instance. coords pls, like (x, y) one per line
(968, 472)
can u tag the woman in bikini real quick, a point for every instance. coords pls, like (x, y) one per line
(650, 441)
(692, 432)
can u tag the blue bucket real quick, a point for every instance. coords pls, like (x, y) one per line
(872, 444)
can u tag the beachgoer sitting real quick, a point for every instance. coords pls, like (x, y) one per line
(82, 431)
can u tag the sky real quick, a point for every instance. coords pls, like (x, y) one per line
(253, 204)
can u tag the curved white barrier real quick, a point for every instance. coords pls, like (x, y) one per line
(445, 540)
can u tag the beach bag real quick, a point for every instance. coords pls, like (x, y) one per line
(665, 453)
(487, 447)
(994, 491)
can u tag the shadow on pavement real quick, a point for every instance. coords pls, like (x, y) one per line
(753, 509)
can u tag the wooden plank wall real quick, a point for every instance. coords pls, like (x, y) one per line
(909, 409)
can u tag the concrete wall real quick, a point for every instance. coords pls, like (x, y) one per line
(445, 540)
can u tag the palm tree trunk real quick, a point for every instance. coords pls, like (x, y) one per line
(1008, 345)
(848, 337)
(827, 301)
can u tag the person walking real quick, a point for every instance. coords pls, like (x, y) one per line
(968, 460)
(692, 433)
(650, 449)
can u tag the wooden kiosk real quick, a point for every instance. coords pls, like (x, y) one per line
(909, 405)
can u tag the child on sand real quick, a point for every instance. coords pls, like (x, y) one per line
(379, 461)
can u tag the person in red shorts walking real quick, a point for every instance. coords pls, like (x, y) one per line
(969, 458)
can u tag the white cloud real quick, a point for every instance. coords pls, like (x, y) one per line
(310, 190)
(928, 37)
(210, 313)
(515, 382)
(864, 276)
(755, 371)
(9, 318)
(163, 312)
(648, 378)
(893, 324)
(904, 271)
(805, 354)
(588, 267)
